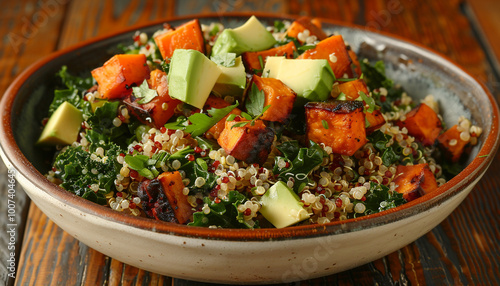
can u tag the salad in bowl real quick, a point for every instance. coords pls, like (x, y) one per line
(247, 127)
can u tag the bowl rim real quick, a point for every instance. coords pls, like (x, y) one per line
(454, 186)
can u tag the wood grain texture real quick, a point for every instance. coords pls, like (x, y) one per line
(462, 250)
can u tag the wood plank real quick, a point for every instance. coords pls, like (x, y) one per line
(484, 16)
(23, 24)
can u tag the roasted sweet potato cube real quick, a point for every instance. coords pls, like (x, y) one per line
(355, 61)
(173, 188)
(217, 102)
(338, 124)
(159, 110)
(451, 144)
(279, 96)
(375, 120)
(252, 60)
(335, 51)
(119, 73)
(188, 36)
(422, 123)
(414, 181)
(352, 88)
(251, 144)
(305, 23)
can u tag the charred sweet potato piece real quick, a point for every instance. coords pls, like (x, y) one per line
(252, 60)
(338, 124)
(119, 73)
(217, 102)
(173, 188)
(279, 96)
(188, 36)
(251, 144)
(451, 143)
(154, 201)
(422, 123)
(160, 109)
(334, 50)
(351, 90)
(305, 23)
(415, 181)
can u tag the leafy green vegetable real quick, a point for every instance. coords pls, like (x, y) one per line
(214, 31)
(380, 198)
(102, 122)
(369, 100)
(223, 214)
(200, 122)
(380, 142)
(279, 26)
(305, 160)
(255, 101)
(74, 82)
(324, 123)
(144, 93)
(224, 59)
(306, 47)
(143, 165)
(74, 92)
(79, 171)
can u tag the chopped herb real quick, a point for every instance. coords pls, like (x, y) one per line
(200, 122)
(369, 100)
(279, 26)
(324, 123)
(144, 93)
(306, 47)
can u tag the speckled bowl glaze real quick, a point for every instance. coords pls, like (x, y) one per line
(248, 256)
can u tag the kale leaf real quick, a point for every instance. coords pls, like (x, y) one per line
(79, 170)
(302, 162)
(73, 93)
(380, 198)
(223, 214)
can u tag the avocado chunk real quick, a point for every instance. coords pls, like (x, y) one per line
(311, 79)
(63, 126)
(232, 80)
(281, 206)
(192, 76)
(251, 36)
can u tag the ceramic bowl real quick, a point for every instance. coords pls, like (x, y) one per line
(248, 256)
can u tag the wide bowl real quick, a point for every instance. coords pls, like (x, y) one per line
(248, 256)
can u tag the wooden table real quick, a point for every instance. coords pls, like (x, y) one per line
(461, 250)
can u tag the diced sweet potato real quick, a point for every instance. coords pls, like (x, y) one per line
(302, 24)
(154, 201)
(251, 144)
(375, 120)
(355, 61)
(188, 36)
(279, 96)
(253, 63)
(173, 187)
(334, 50)
(159, 110)
(422, 123)
(451, 143)
(217, 102)
(119, 73)
(338, 124)
(415, 181)
(352, 88)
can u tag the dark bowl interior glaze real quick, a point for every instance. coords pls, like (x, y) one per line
(418, 70)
